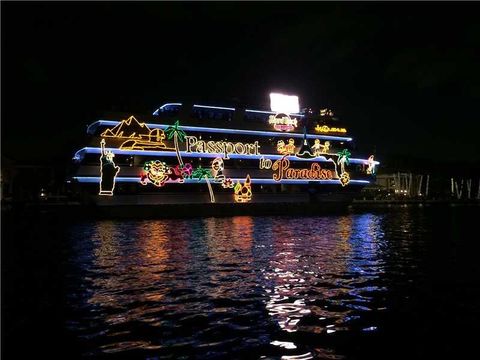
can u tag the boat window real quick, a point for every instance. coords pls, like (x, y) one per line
(168, 110)
(256, 117)
(211, 114)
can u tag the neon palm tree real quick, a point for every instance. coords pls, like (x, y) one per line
(178, 135)
(343, 158)
(200, 173)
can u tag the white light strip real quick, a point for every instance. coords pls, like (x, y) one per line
(271, 112)
(96, 179)
(164, 105)
(213, 107)
(97, 150)
(231, 131)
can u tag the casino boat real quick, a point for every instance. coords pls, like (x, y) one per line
(214, 157)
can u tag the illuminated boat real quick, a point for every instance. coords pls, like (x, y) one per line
(202, 154)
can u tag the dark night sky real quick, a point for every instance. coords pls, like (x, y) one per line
(405, 77)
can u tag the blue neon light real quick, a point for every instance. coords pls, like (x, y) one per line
(96, 179)
(96, 150)
(231, 131)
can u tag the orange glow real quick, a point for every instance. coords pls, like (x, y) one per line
(243, 193)
(282, 170)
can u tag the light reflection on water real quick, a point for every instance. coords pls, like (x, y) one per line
(250, 286)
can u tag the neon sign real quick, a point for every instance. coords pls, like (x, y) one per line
(265, 163)
(157, 172)
(286, 149)
(282, 122)
(344, 178)
(282, 170)
(217, 173)
(200, 173)
(318, 148)
(221, 147)
(243, 193)
(108, 171)
(343, 159)
(327, 129)
(138, 135)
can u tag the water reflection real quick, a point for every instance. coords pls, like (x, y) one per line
(207, 287)
(319, 276)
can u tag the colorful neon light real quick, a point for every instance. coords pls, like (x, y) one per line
(327, 129)
(126, 179)
(157, 172)
(282, 122)
(178, 135)
(94, 150)
(243, 193)
(221, 147)
(282, 170)
(92, 127)
(217, 173)
(200, 173)
(343, 159)
(108, 171)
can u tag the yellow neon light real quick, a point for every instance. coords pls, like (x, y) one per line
(265, 163)
(243, 193)
(221, 147)
(327, 129)
(319, 149)
(344, 178)
(286, 149)
(157, 173)
(325, 112)
(139, 136)
(108, 171)
(282, 170)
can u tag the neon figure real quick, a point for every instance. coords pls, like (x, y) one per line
(286, 149)
(371, 165)
(157, 172)
(318, 148)
(243, 193)
(108, 171)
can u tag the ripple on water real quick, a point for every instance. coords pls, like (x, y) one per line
(261, 287)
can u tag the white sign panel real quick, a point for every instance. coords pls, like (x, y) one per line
(281, 103)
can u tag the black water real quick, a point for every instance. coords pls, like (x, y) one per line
(400, 283)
